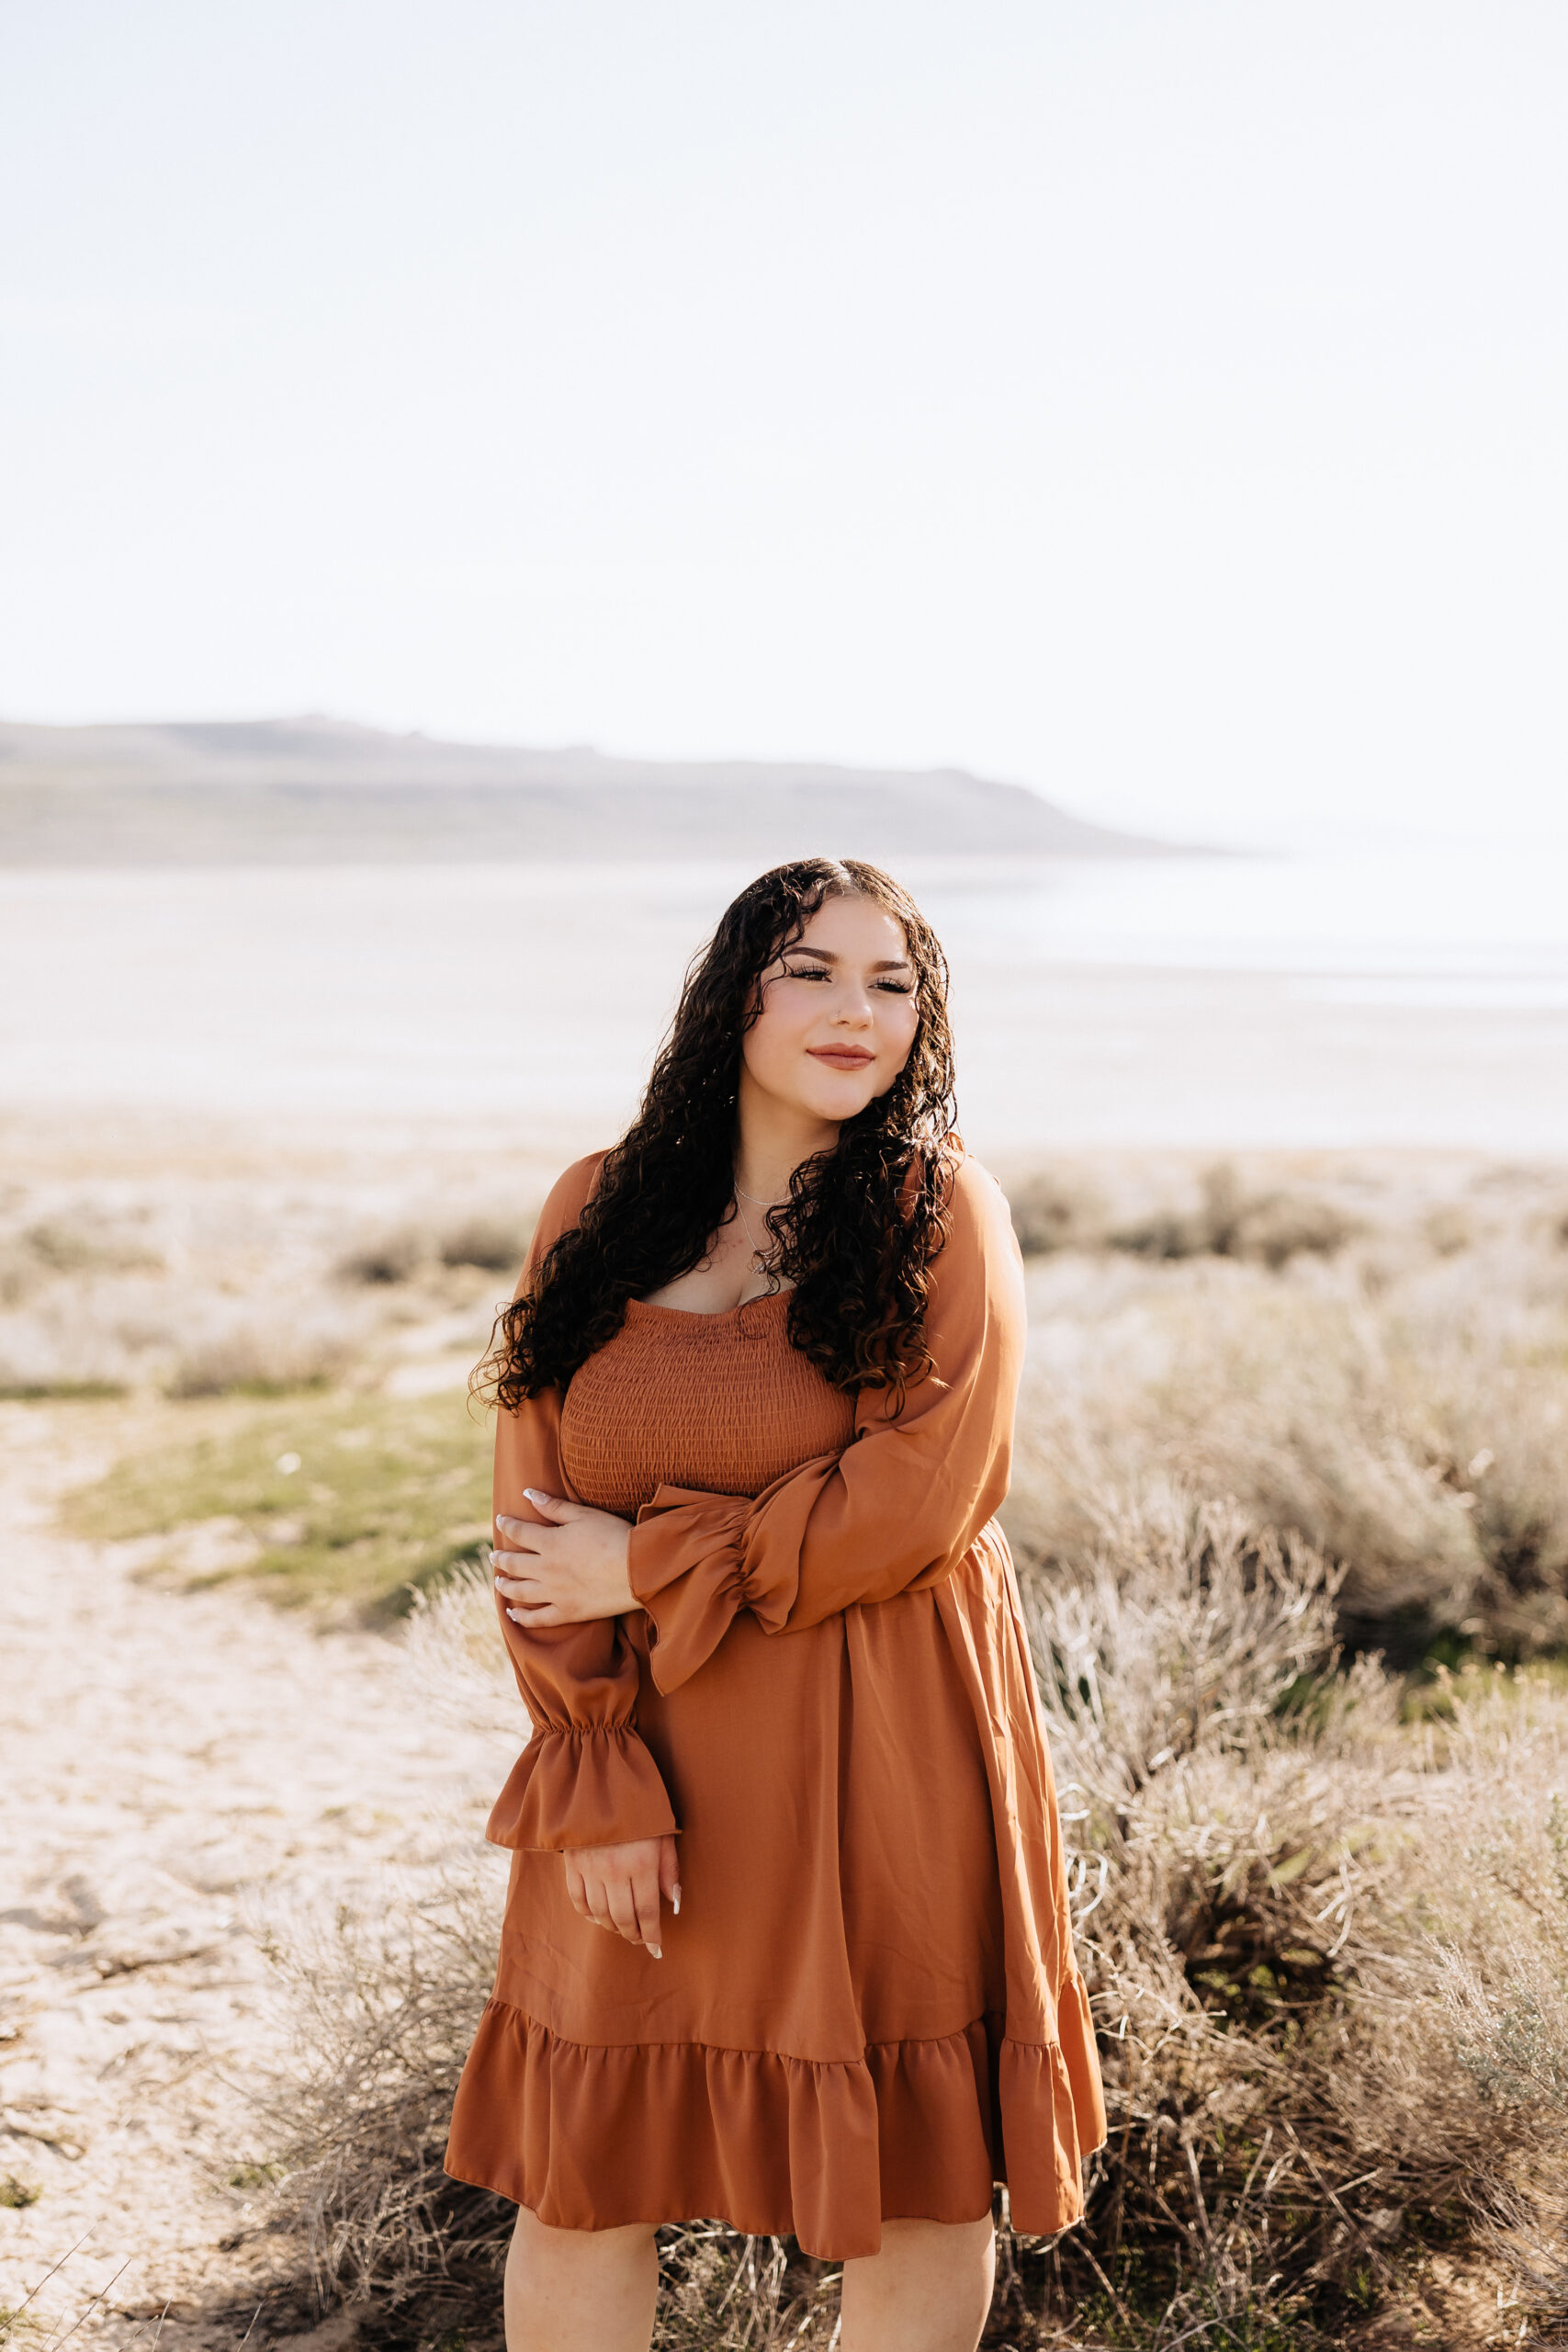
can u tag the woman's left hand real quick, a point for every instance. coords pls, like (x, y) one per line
(568, 1572)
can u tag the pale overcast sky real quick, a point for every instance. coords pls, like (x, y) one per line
(1164, 404)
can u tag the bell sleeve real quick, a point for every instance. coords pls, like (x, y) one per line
(896, 1510)
(585, 1778)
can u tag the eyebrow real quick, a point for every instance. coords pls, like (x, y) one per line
(884, 964)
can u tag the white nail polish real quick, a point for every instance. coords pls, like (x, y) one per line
(675, 1902)
(655, 1950)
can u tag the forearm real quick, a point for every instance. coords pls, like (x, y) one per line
(841, 1531)
(585, 1778)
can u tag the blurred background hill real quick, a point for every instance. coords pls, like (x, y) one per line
(298, 791)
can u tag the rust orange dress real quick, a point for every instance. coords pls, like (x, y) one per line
(869, 2005)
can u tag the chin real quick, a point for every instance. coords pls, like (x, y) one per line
(839, 1097)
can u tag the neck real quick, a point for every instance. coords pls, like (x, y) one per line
(772, 1138)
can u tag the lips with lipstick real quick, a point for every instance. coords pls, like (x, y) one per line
(843, 1057)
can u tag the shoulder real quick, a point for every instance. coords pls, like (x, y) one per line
(569, 1196)
(978, 1270)
(563, 1206)
(980, 1218)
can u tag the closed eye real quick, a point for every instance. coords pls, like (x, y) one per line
(820, 972)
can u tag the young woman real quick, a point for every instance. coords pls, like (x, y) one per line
(786, 1942)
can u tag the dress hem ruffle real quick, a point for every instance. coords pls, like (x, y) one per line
(593, 2136)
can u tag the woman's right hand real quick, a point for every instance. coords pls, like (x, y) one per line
(619, 1887)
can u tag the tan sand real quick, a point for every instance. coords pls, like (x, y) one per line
(177, 1761)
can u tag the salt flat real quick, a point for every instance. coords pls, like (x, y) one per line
(1181, 1003)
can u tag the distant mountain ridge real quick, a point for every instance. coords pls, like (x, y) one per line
(314, 790)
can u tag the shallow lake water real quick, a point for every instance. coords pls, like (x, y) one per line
(1397, 996)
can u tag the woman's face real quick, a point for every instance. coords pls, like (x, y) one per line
(839, 1013)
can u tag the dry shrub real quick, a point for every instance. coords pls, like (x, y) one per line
(187, 1288)
(1238, 1621)
(1405, 1406)
(1446, 1229)
(1228, 1222)
(1503, 1441)
(496, 1244)
(1279, 1394)
(62, 1279)
(1258, 1846)
(383, 2012)
(1481, 1356)
(724, 2293)
(56, 1253)
(46, 1356)
(83, 1240)
(1501, 1947)
(395, 1255)
(261, 1356)
(457, 1669)
(21, 1272)
(1053, 1209)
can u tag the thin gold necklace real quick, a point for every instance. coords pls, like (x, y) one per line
(762, 1262)
(746, 1228)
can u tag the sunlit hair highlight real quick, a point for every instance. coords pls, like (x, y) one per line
(863, 1220)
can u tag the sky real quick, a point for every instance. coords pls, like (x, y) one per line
(1160, 403)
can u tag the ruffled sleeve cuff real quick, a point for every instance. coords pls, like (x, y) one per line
(586, 1784)
(687, 1561)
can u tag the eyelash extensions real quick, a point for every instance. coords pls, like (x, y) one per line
(818, 972)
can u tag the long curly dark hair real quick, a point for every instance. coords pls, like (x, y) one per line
(863, 1220)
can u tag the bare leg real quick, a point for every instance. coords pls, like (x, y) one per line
(928, 2290)
(580, 2290)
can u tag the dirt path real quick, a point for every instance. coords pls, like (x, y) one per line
(174, 1762)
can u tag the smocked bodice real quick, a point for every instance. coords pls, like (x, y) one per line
(721, 1403)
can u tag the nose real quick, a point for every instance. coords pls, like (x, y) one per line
(853, 1008)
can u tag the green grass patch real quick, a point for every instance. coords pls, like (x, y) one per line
(256, 2175)
(352, 1497)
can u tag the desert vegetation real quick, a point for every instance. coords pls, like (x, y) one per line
(1291, 1518)
(195, 1289)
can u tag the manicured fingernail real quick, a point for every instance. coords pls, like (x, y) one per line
(515, 1617)
(657, 1952)
(534, 1496)
(675, 1902)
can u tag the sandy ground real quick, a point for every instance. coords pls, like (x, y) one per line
(174, 1759)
